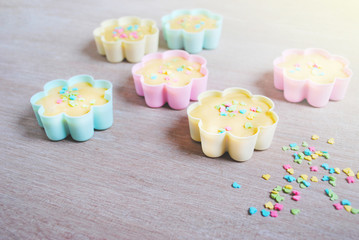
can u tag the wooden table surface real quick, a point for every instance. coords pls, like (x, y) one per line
(144, 178)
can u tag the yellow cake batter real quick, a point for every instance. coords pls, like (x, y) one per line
(133, 32)
(234, 112)
(75, 100)
(175, 71)
(193, 23)
(316, 67)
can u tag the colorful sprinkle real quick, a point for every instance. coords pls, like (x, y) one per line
(265, 213)
(315, 137)
(294, 211)
(252, 210)
(236, 185)
(266, 176)
(248, 125)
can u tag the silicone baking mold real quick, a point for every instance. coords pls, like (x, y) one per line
(317, 94)
(239, 148)
(192, 42)
(177, 97)
(80, 128)
(133, 51)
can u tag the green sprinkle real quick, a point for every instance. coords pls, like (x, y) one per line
(326, 155)
(354, 211)
(304, 144)
(299, 180)
(301, 155)
(294, 211)
(295, 148)
(232, 114)
(279, 198)
(235, 102)
(218, 107)
(243, 104)
(302, 185)
(92, 102)
(287, 190)
(259, 109)
(248, 125)
(299, 161)
(277, 188)
(273, 195)
(285, 148)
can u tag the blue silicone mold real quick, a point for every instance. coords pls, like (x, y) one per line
(191, 42)
(80, 128)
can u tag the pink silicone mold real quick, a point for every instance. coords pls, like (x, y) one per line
(176, 97)
(317, 94)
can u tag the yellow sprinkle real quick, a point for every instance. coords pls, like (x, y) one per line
(266, 176)
(314, 156)
(315, 137)
(275, 192)
(288, 186)
(269, 205)
(331, 141)
(337, 170)
(250, 116)
(319, 153)
(348, 208)
(358, 175)
(189, 68)
(290, 170)
(304, 176)
(308, 158)
(314, 179)
(348, 172)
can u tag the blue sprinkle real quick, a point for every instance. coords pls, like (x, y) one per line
(346, 202)
(64, 88)
(180, 69)
(325, 178)
(198, 26)
(153, 77)
(292, 71)
(236, 185)
(223, 114)
(135, 27)
(292, 145)
(72, 97)
(129, 28)
(114, 32)
(296, 156)
(265, 213)
(307, 152)
(75, 89)
(327, 191)
(252, 210)
(243, 111)
(331, 170)
(289, 178)
(324, 151)
(62, 91)
(307, 184)
(325, 166)
(202, 22)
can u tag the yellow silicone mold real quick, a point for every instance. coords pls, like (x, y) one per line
(240, 148)
(133, 51)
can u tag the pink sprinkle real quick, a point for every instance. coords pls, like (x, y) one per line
(312, 149)
(286, 166)
(228, 128)
(167, 78)
(350, 179)
(227, 104)
(235, 111)
(315, 65)
(123, 35)
(314, 168)
(58, 101)
(295, 192)
(160, 71)
(274, 214)
(278, 207)
(222, 109)
(253, 109)
(338, 206)
(188, 72)
(119, 30)
(296, 197)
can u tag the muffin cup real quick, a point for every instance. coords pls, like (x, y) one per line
(192, 42)
(133, 51)
(80, 128)
(239, 148)
(176, 97)
(317, 94)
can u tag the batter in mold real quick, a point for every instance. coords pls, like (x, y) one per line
(75, 100)
(235, 112)
(175, 71)
(315, 67)
(193, 23)
(130, 32)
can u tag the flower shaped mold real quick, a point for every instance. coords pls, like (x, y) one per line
(126, 37)
(312, 74)
(81, 128)
(180, 65)
(192, 41)
(233, 121)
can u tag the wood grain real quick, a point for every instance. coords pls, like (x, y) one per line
(144, 178)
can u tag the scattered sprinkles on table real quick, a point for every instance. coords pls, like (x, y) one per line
(303, 180)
